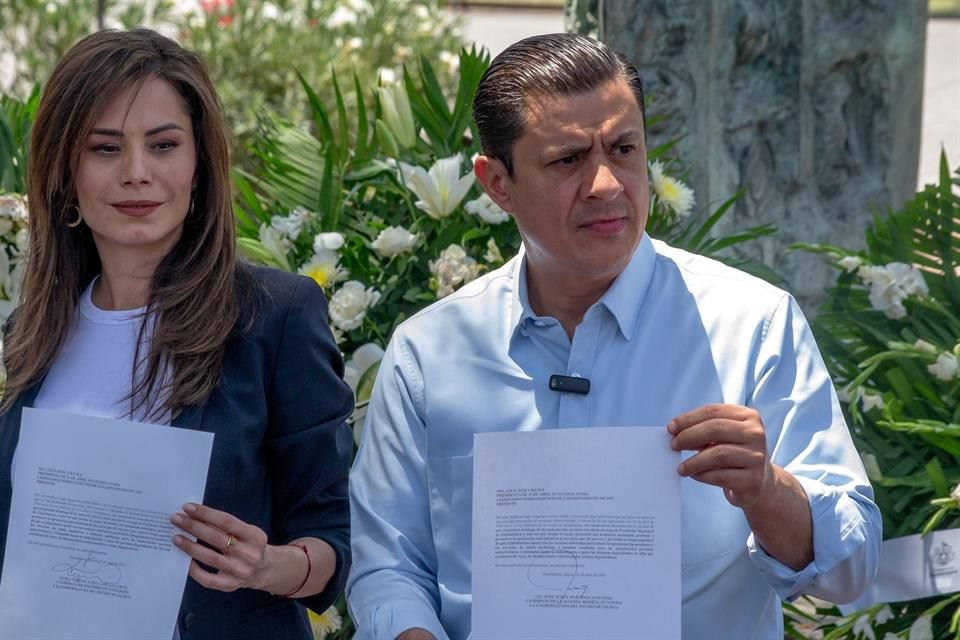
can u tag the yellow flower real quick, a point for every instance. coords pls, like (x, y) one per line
(670, 191)
(326, 623)
(324, 268)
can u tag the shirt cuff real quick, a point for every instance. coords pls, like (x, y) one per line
(835, 517)
(392, 619)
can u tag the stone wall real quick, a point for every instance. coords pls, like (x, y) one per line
(814, 106)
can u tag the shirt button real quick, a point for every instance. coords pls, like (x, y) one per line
(188, 619)
(540, 323)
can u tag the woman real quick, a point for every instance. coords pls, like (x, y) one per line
(134, 306)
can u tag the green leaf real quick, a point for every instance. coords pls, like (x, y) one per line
(937, 479)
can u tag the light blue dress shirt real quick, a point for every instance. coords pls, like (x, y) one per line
(674, 332)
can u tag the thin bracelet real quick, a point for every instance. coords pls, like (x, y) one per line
(309, 569)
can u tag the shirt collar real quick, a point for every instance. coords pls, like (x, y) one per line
(622, 299)
(626, 294)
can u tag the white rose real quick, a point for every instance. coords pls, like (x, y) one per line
(453, 268)
(493, 255)
(394, 240)
(13, 207)
(945, 368)
(22, 239)
(330, 241)
(487, 210)
(348, 306)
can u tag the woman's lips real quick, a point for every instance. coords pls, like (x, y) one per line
(136, 208)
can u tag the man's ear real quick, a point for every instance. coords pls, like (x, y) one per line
(493, 176)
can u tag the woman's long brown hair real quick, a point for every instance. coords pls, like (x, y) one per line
(192, 300)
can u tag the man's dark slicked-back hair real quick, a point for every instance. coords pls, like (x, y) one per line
(552, 65)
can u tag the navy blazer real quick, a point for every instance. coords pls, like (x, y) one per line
(281, 451)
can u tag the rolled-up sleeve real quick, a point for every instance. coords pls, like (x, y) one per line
(393, 584)
(310, 443)
(808, 437)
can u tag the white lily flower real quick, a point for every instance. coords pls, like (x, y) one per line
(945, 368)
(290, 226)
(870, 401)
(862, 627)
(397, 114)
(276, 245)
(883, 615)
(441, 188)
(891, 284)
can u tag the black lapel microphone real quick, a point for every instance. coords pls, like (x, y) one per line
(569, 384)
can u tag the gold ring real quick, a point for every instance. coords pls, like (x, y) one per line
(230, 542)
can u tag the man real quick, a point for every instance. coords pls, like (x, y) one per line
(775, 500)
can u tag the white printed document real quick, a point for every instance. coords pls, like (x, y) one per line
(89, 551)
(576, 534)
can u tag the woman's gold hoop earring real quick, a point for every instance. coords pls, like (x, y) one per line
(76, 223)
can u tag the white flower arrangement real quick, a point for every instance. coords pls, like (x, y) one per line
(393, 241)
(453, 268)
(324, 267)
(890, 285)
(13, 250)
(349, 305)
(324, 624)
(439, 189)
(362, 364)
(487, 210)
(945, 368)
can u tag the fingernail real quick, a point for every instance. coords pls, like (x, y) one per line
(177, 539)
(176, 519)
(672, 426)
(189, 507)
(673, 444)
(680, 469)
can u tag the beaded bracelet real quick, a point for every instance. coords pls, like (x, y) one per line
(309, 569)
